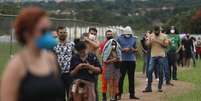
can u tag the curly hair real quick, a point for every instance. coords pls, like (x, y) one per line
(26, 22)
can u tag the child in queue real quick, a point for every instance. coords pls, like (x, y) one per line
(84, 68)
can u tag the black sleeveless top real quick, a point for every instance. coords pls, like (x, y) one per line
(45, 88)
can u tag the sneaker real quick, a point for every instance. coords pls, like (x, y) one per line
(118, 97)
(147, 90)
(134, 97)
(146, 79)
(104, 97)
(160, 90)
(169, 84)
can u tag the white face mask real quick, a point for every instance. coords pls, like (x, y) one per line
(172, 31)
(113, 47)
(92, 37)
(127, 35)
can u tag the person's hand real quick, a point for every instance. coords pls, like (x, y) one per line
(82, 66)
(125, 49)
(134, 49)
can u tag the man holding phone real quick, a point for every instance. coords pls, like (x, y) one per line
(128, 44)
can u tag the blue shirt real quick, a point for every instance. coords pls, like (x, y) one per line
(127, 42)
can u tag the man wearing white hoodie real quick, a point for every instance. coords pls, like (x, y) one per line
(128, 44)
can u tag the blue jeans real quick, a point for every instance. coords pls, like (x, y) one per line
(166, 69)
(146, 63)
(159, 62)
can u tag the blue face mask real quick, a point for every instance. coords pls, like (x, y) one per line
(46, 41)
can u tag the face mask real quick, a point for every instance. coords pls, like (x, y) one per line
(157, 33)
(172, 31)
(92, 37)
(113, 47)
(46, 41)
(127, 35)
(110, 37)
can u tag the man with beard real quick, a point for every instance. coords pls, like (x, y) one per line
(92, 43)
(64, 51)
(158, 42)
(109, 35)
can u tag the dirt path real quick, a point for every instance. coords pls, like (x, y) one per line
(178, 89)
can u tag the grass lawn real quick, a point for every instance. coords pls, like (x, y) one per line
(193, 76)
(5, 53)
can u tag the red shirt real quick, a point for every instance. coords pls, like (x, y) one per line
(101, 46)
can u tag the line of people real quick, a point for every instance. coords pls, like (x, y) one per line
(50, 68)
(162, 50)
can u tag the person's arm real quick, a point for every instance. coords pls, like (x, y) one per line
(148, 42)
(76, 69)
(11, 80)
(179, 44)
(93, 68)
(111, 60)
(134, 48)
(143, 43)
(163, 43)
(122, 49)
(96, 67)
(94, 43)
(53, 63)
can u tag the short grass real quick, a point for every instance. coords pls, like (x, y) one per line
(6, 50)
(192, 76)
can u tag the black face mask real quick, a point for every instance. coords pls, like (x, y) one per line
(110, 37)
(62, 37)
(157, 33)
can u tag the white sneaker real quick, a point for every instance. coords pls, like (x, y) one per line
(146, 79)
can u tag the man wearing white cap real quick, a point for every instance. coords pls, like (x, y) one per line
(128, 45)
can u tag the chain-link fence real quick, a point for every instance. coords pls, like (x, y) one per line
(74, 28)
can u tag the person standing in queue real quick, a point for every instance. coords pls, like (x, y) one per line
(158, 42)
(64, 51)
(109, 35)
(84, 68)
(92, 46)
(173, 49)
(112, 59)
(32, 74)
(128, 65)
(92, 41)
(187, 43)
(146, 52)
